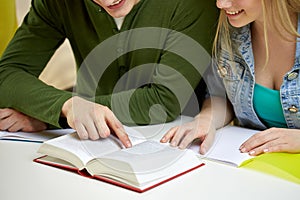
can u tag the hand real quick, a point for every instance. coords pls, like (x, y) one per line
(13, 121)
(93, 121)
(273, 140)
(183, 135)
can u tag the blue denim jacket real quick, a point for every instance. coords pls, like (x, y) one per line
(238, 79)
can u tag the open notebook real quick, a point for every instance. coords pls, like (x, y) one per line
(34, 137)
(225, 149)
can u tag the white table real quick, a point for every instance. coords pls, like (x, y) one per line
(22, 179)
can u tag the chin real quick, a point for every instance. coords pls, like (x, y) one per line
(238, 25)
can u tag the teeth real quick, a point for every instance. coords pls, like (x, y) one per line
(116, 2)
(233, 12)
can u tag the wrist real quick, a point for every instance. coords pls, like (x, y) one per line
(207, 119)
(66, 107)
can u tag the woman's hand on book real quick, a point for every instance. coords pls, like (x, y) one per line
(273, 140)
(13, 121)
(92, 120)
(185, 134)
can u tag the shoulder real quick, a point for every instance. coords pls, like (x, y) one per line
(204, 10)
(60, 5)
(197, 5)
(58, 10)
(190, 5)
(46, 4)
(44, 7)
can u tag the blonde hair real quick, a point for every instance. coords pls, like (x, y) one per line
(279, 8)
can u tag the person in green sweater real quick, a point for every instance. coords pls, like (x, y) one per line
(133, 58)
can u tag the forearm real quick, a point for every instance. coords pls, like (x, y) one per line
(216, 111)
(25, 58)
(27, 94)
(147, 105)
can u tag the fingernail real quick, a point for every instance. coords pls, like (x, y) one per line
(163, 139)
(128, 144)
(173, 143)
(243, 150)
(203, 150)
(252, 152)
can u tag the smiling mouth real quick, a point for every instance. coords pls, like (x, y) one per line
(233, 12)
(115, 3)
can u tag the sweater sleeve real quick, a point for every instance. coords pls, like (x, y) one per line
(24, 59)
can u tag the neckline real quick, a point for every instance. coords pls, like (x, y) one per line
(266, 88)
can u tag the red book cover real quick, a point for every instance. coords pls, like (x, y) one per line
(108, 180)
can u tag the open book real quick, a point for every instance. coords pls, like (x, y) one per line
(35, 136)
(226, 145)
(225, 149)
(145, 165)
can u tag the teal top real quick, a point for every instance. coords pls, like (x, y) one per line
(131, 72)
(268, 107)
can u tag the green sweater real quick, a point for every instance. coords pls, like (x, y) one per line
(131, 72)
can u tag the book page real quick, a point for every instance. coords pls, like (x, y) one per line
(144, 163)
(35, 136)
(226, 145)
(135, 136)
(144, 154)
(86, 150)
